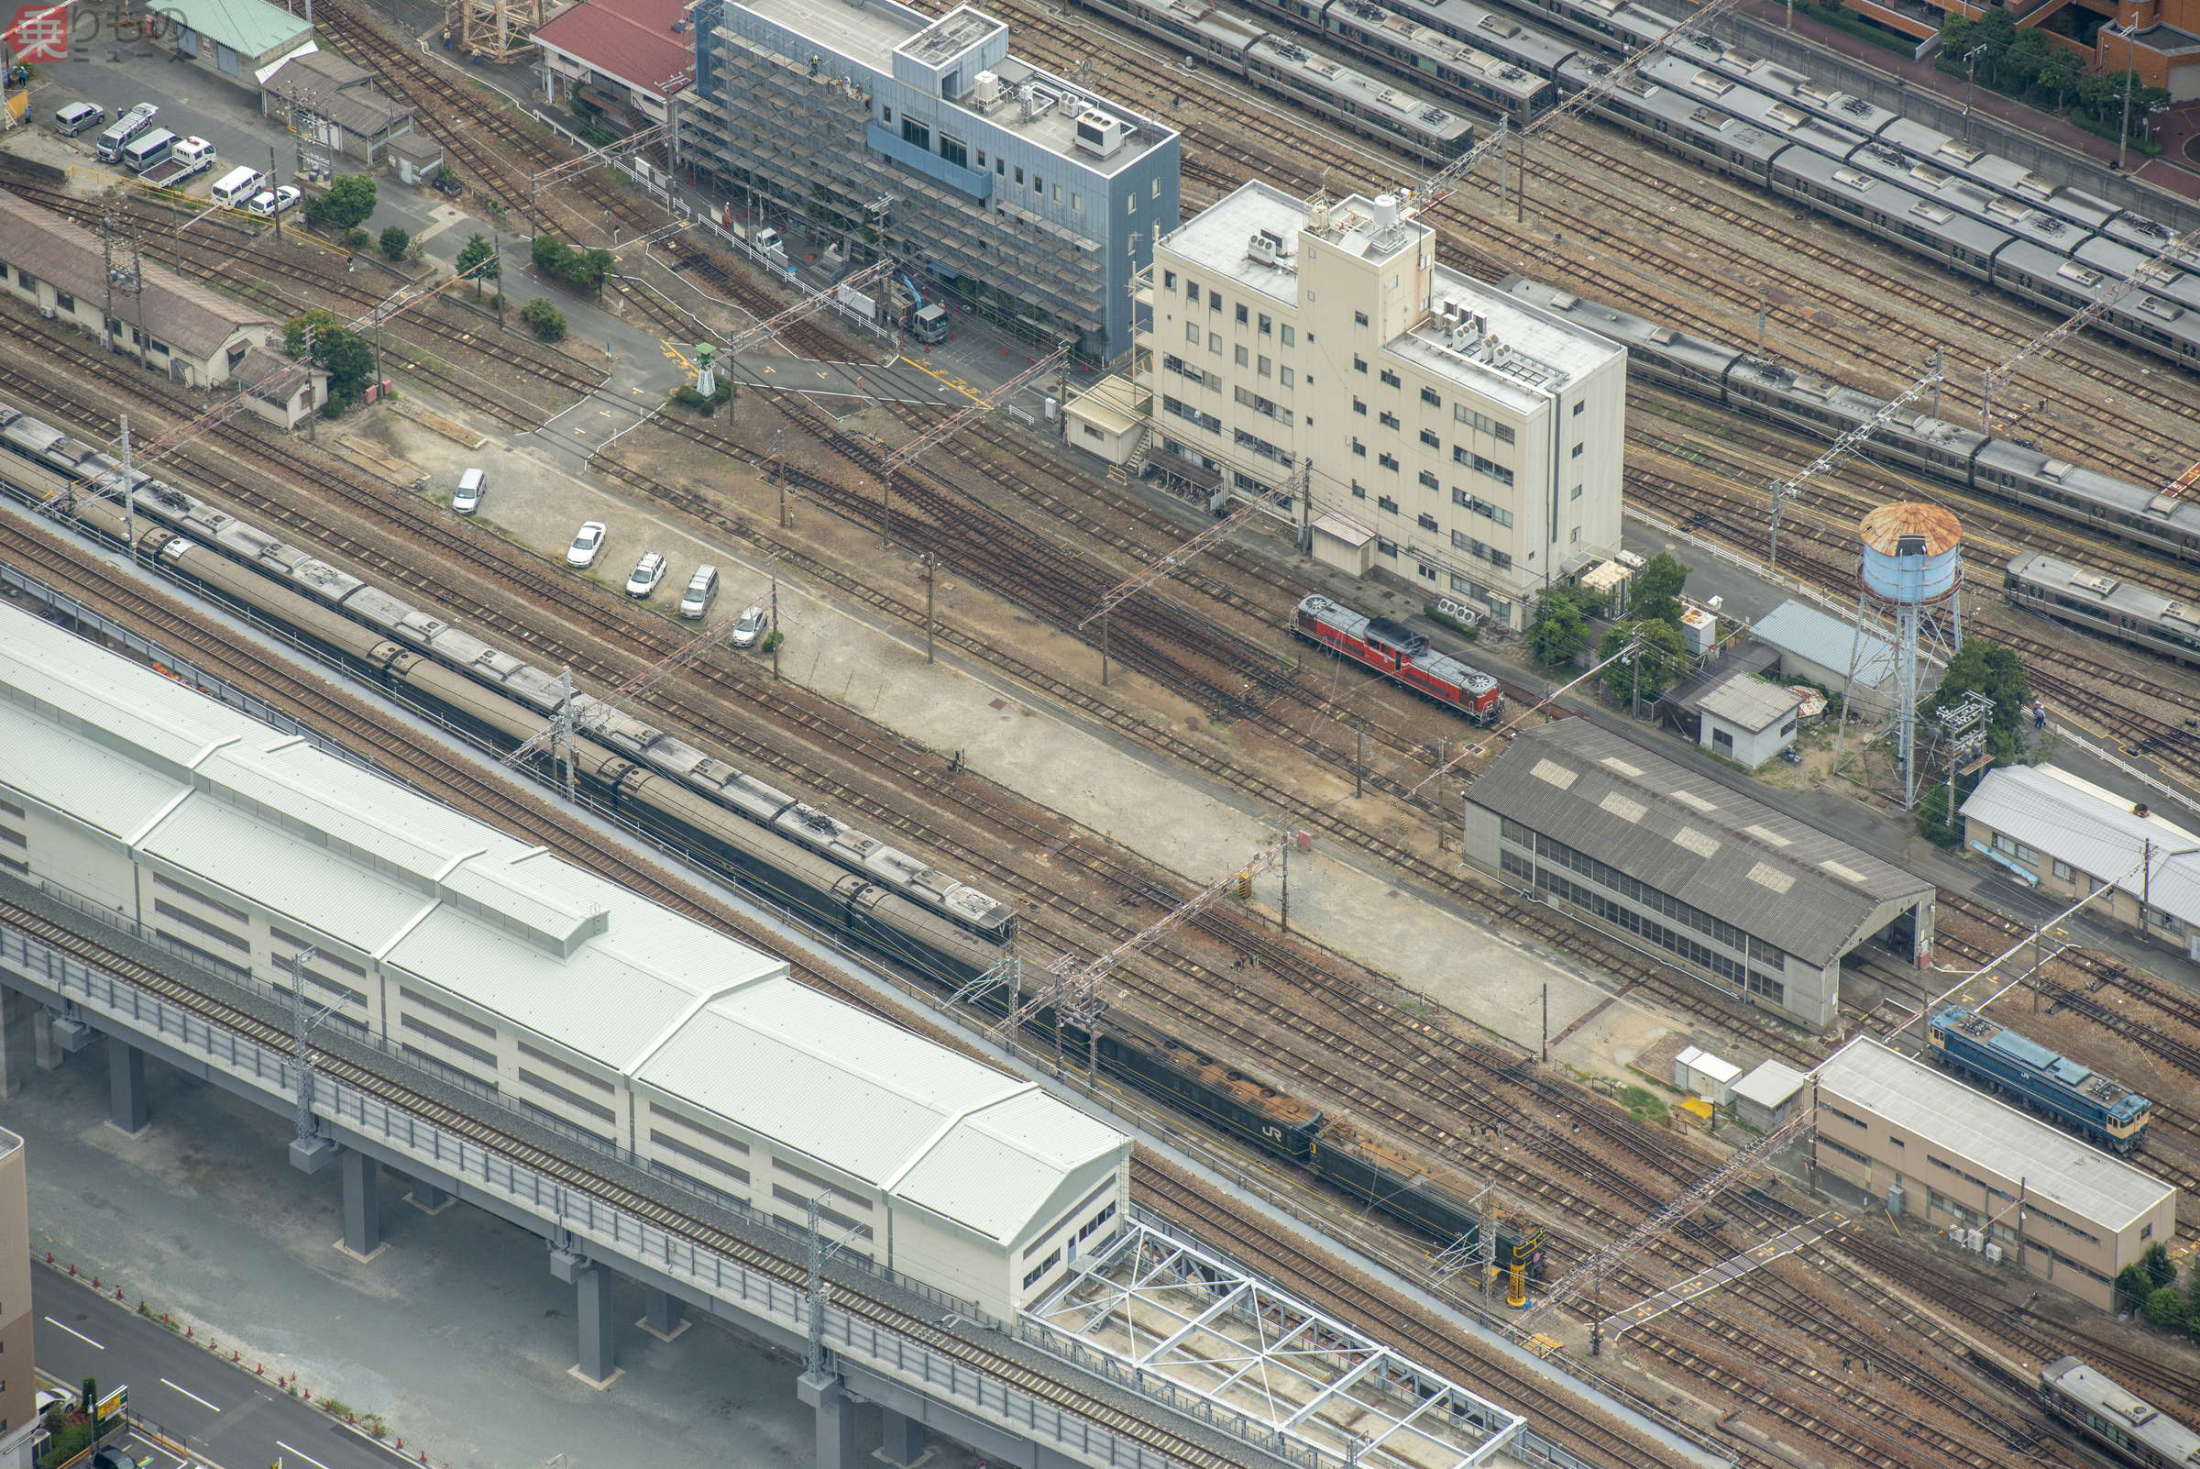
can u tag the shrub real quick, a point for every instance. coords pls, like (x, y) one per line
(395, 242)
(545, 319)
(357, 239)
(347, 204)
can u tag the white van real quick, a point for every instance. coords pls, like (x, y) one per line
(238, 185)
(472, 485)
(142, 153)
(702, 590)
(127, 126)
(78, 117)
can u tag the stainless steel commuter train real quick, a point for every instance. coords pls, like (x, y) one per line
(2000, 469)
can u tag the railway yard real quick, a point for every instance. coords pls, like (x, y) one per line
(1415, 1059)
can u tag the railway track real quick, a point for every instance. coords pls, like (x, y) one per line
(427, 766)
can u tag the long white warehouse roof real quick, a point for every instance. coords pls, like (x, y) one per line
(2057, 1169)
(669, 1002)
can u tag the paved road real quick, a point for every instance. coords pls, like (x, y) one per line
(223, 1416)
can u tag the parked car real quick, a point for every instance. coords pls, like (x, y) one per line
(648, 571)
(750, 628)
(702, 590)
(587, 544)
(270, 202)
(472, 485)
(48, 1400)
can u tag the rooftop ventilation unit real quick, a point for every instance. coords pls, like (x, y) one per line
(985, 89)
(1099, 134)
(1266, 247)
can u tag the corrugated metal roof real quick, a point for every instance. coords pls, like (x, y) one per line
(1884, 527)
(1692, 837)
(2095, 831)
(1749, 703)
(522, 934)
(1793, 627)
(251, 28)
(2060, 1171)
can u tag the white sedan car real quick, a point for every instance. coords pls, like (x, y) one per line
(587, 545)
(648, 571)
(271, 202)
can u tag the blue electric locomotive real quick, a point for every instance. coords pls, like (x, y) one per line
(2105, 1112)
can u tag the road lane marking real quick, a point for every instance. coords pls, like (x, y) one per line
(80, 1336)
(194, 1397)
(286, 1448)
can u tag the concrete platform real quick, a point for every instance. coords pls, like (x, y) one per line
(1057, 758)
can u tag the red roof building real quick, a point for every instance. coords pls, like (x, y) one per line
(625, 56)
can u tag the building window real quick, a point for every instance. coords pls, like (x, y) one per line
(1359, 491)
(2064, 870)
(1077, 201)
(1000, 167)
(1359, 364)
(886, 115)
(1214, 343)
(1387, 548)
(1130, 204)
(1290, 334)
(1722, 741)
(1359, 318)
(1286, 376)
(1243, 357)
(1428, 396)
(1579, 404)
(1019, 175)
(1482, 423)
(1389, 420)
(1388, 461)
(1387, 505)
(1168, 280)
(1391, 379)
(955, 151)
(1427, 522)
(1359, 407)
(1244, 317)
(1576, 453)
(1425, 569)
(915, 133)
(1262, 365)
(1574, 493)
(1359, 448)
(1191, 332)
(1428, 480)
(1480, 465)
(1267, 325)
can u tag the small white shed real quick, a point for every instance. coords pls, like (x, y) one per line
(1702, 1074)
(1768, 1097)
(1105, 421)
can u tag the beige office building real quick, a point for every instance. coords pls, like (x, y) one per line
(1403, 417)
(2006, 1184)
(18, 1348)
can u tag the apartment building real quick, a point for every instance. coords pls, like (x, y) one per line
(1016, 191)
(1408, 419)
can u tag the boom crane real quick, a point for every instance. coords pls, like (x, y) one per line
(1839, 449)
(764, 331)
(2161, 267)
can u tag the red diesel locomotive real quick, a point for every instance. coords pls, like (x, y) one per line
(1399, 652)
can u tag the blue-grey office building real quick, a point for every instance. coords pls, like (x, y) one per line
(1011, 188)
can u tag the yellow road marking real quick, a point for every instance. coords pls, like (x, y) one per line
(947, 379)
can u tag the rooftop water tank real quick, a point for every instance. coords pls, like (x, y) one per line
(1912, 553)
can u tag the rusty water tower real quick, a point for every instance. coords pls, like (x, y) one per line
(1911, 574)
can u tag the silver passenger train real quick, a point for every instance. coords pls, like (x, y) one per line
(796, 853)
(2105, 605)
(2000, 469)
(1362, 104)
(1977, 213)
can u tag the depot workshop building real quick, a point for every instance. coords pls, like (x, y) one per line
(1753, 903)
(1925, 1146)
(535, 986)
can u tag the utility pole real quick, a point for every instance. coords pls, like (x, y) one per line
(1546, 1023)
(129, 492)
(1520, 174)
(813, 1347)
(2123, 130)
(776, 636)
(930, 563)
(301, 1026)
(776, 473)
(1359, 756)
(271, 170)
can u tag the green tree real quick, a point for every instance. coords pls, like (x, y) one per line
(1650, 669)
(2160, 1268)
(546, 320)
(477, 260)
(2166, 1307)
(342, 352)
(1938, 819)
(2024, 58)
(2133, 1286)
(395, 242)
(1657, 590)
(346, 205)
(2059, 74)
(1990, 669)
(1560, 628)
(588, 269)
